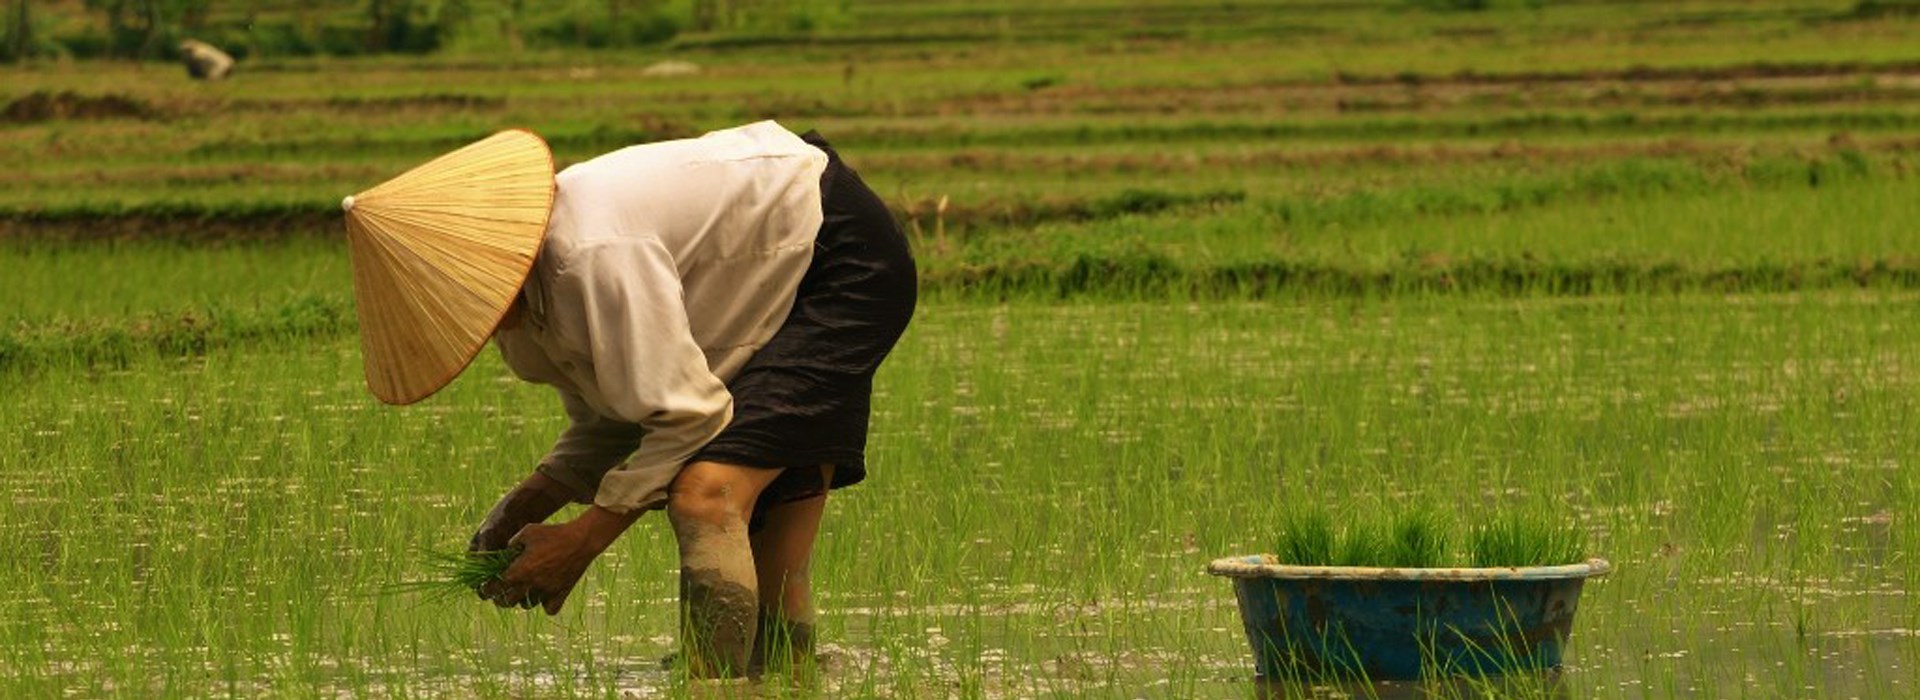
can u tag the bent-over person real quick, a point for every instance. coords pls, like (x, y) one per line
(710, 312)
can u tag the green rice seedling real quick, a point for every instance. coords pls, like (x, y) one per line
(1423, 538)
(1498, 296)
(1525, 539)
(471, 570)
(455, 574)
(1365, 542)
(1307, 538)
(1420, 540)
(294, 423)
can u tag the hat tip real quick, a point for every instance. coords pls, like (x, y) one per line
(347, 204)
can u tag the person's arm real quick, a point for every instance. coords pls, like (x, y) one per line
(535, 499)
(650, 372)
(571, 471)
(591, 445)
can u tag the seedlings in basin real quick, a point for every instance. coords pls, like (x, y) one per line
(1516, 539)
(1307, 539)
(1420, 540)
(1364, 543)
(1426, 538)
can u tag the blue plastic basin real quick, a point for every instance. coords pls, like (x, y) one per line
(1339, 622)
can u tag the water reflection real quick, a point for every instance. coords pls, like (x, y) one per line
(1545, 685)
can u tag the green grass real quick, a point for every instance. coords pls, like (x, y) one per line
(1421, 539)
(100, 343)
(1308, 538)
(1364, 543)
(1421, 536)
(1202, 270)
(456, 575)
(48, 284)
(1526, 540)
(1735, 458)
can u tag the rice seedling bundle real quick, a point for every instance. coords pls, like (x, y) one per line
(1427, 539)
(457, 573)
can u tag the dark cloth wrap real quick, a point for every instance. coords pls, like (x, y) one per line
(805, 398)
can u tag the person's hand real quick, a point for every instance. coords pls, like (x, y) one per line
(552, 559)
(537, 498)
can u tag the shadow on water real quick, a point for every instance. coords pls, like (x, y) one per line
(1546, 685)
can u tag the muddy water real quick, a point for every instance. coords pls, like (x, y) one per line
(721, 606)
(722, 616)
(228, 533)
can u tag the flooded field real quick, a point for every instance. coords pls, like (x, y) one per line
(1185, 268)
(1049, 483)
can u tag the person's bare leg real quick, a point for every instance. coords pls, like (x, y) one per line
(708, 505)
(783, 559)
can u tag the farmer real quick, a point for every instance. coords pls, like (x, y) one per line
(711, 312)
(204, 61)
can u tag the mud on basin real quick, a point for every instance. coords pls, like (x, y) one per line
(1337, 622)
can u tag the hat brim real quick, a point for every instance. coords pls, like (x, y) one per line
(439, 255)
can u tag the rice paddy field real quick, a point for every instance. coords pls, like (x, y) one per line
(1187, 268)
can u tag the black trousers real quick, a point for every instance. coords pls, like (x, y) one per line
(805, 398)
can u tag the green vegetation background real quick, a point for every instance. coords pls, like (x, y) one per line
(253, 29)
(1084, 149)
(1649, 264)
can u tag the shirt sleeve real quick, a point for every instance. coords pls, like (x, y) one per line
(591, 445)
(647, 367)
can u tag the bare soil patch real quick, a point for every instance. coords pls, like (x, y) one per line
(45, 106)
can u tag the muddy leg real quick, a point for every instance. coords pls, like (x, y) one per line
(783, 558)
(708, 506)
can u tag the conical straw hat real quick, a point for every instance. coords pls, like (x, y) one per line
(439, 253)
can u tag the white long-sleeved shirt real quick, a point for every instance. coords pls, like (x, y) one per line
(665, 267)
